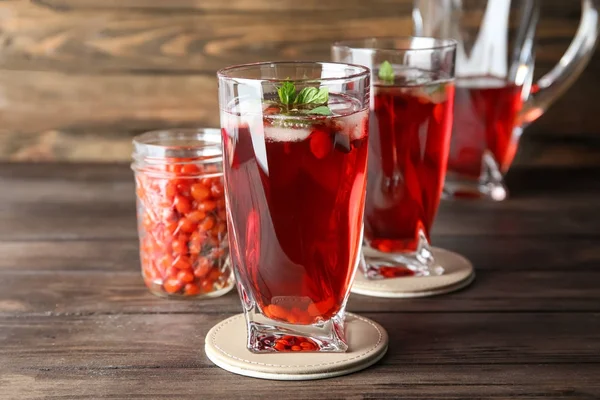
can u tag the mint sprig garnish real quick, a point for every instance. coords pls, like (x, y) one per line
(386, 72)
(310, 100)
(287, 93)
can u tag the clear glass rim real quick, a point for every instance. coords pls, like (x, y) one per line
(229, 73)
(156, 145)
(368, 43)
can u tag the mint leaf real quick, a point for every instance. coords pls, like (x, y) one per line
(321, 110)
(322, 97)
(312, 96)
(386, 72)
(309, 101)
(287, 93)
(306, 95)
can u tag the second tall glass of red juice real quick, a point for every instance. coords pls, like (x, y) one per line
(410, 128)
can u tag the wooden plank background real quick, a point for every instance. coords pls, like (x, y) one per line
(78, 78)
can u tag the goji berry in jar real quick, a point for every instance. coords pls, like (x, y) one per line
(180, 246)
(189, 169)
(185, 277)
(191, 289)
(182, 204)
(186, 226)
(172, 285)
(196, 216)
(207, 224)
(200, 192)
(207, 206)
(182, 228)
(203, 268)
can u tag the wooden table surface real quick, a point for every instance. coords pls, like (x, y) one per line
(77, 322)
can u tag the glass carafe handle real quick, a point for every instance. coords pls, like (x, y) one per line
(552, 85)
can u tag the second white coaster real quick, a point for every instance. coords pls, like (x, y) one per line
(225, 346)
(458, 273)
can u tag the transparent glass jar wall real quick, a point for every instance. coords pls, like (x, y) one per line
(181, 213)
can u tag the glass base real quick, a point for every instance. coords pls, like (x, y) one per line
(380, 265)
(224, 346)
(467, 189)
(267, 336)
(458, 273)
(489, 185)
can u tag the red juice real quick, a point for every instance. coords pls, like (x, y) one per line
(485, 113)
(410, 138)
(295, 190)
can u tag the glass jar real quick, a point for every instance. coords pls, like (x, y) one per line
(181, 214)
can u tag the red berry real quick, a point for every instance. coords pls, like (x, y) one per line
(320, 144)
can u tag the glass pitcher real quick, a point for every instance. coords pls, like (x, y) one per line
(496, 96)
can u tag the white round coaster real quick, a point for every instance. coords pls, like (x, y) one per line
(458, 273)
(225, 346)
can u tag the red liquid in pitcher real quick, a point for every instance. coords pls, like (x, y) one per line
(485, 113)
(295, 193)
(410, 137)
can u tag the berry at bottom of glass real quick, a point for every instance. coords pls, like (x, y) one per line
(409, 143)
(295, 188)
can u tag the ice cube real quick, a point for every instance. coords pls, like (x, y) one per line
(354, 125)
(286, 134)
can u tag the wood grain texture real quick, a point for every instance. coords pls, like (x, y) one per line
(76, 321)
(78, 78)
(88, 202)
(526, 253)
(564, 381)
(124, 292)
(175, 341)
(555, 274)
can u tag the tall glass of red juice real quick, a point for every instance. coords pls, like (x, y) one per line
(410, 127)
(295, 164)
